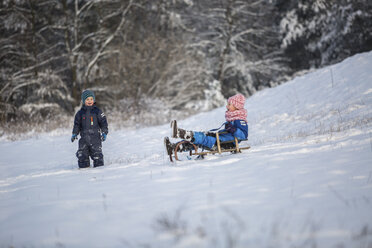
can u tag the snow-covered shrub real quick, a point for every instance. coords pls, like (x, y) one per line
(319, 32)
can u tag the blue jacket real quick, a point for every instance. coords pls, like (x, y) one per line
(240, 128)
(90, 121)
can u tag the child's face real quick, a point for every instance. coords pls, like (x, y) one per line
(89, 101)
(230, 107)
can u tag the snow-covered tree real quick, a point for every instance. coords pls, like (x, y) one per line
(184, 54)
(250, 56)
(27, 56)
(318, 32)
(90, 29)
(54, 48)
(236, 40)
(159, 63)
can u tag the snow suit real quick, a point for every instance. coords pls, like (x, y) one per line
(236, 128)
(90, 122)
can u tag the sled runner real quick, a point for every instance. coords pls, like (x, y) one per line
(187, 146)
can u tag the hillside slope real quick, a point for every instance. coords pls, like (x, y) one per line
(306, 182)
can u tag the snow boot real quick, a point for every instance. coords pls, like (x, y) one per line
(181, 133)
(174, 129)
(168, 146)
(181, 148)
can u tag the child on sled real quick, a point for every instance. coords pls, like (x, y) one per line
(235, 126)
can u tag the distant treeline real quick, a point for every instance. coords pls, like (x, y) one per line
(182, 55)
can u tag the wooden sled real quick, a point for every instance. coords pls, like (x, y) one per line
(221, 147)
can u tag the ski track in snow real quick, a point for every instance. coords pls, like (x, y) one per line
(306, 181)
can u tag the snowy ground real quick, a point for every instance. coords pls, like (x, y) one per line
(306, 182)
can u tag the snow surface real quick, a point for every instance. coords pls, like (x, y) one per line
(306, 181)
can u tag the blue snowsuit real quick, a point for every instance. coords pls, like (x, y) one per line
(90, 122)
(237, 128)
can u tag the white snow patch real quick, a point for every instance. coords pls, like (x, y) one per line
(306, 181)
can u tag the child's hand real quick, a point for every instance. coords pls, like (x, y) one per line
(230, 128)
(103, 136)
(73, 137)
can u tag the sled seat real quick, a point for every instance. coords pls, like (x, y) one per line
(225, 146)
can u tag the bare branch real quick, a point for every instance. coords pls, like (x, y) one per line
(20, 86)
(30, 68)
(108, 40)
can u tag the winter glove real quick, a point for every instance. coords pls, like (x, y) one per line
(73, 137)
(230, 128)
(103, 136)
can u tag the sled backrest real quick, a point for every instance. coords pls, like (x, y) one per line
(235, 141)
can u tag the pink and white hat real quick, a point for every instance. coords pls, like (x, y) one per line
(237, 100)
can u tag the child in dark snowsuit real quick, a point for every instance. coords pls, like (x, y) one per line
(235, 126)
(91, 123)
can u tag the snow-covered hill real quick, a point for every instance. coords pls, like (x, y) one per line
(306, 181)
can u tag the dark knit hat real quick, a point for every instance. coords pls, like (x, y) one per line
(86, 94)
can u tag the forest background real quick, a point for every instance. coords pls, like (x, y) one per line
(149, 61)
